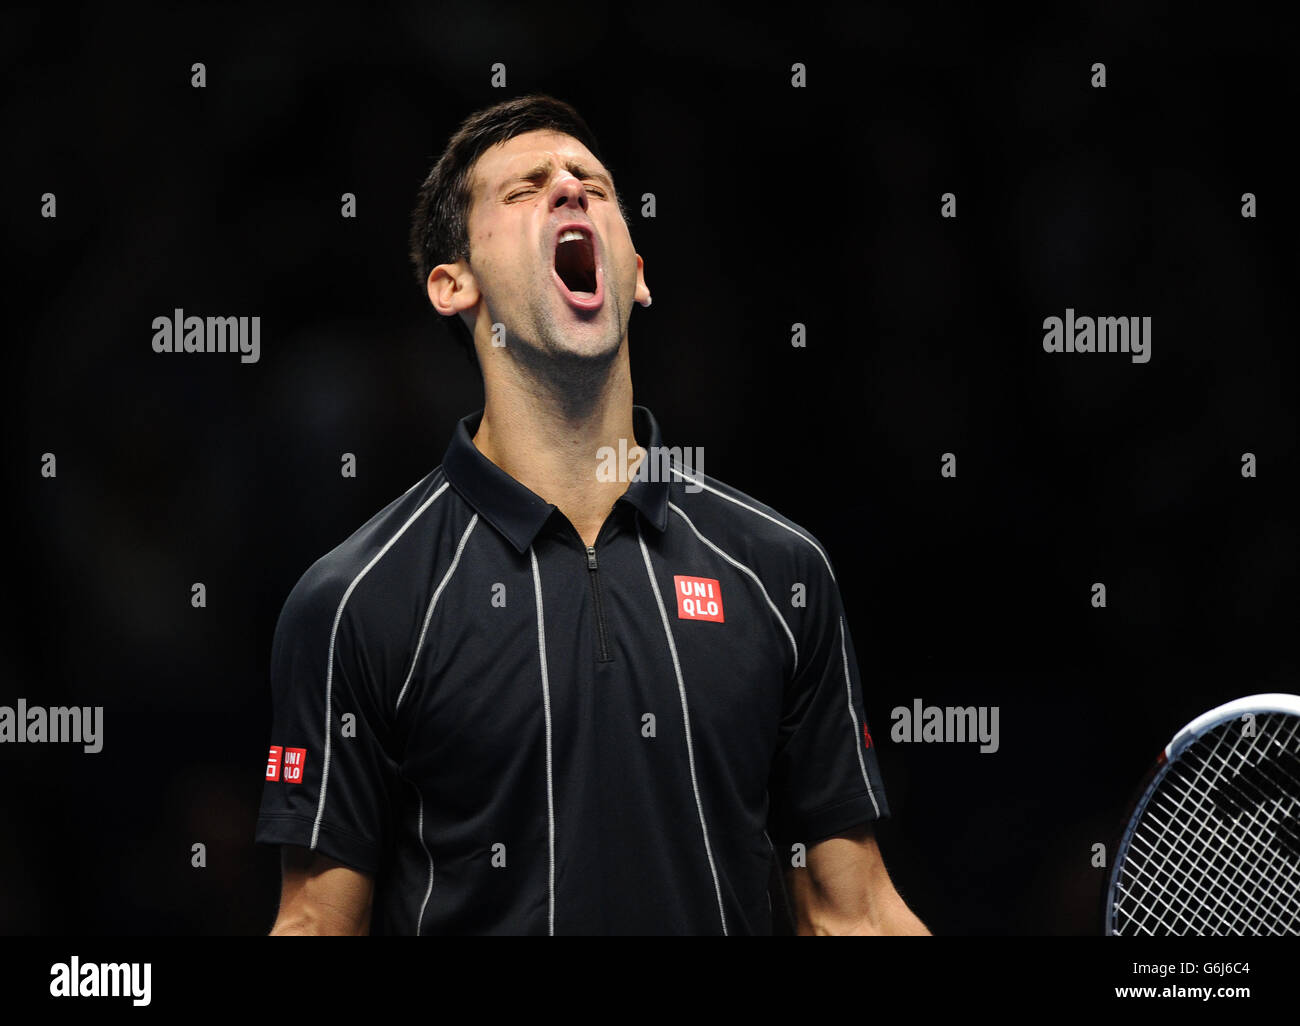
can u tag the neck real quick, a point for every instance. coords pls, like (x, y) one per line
(543, 425)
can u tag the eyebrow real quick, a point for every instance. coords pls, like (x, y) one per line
(541, 171)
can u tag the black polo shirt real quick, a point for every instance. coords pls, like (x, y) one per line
(516, 734)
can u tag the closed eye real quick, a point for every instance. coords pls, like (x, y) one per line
(591, 188)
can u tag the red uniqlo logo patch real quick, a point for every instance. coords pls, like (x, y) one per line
(273, 763)
(294, 761)
(698, 598)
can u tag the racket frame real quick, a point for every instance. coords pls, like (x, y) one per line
(1272, 702)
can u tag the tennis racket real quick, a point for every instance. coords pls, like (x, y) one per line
(1213, 845)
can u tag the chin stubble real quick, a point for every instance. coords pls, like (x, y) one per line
(576, 381)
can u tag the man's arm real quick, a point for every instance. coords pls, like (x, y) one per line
(844, 889)
(319, 895)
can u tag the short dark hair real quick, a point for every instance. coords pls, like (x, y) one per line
(440, 221)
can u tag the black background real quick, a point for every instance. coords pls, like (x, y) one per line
(775, 205)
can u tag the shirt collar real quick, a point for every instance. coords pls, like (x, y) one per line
(517, 511)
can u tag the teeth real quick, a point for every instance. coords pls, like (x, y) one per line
(572, 235)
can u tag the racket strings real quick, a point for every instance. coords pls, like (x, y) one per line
(1191, 885)
(1273, 785)
(1202, 889)
(1216, 849)
(1245, 858)
(1180, 893)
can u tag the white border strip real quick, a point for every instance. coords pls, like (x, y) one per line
(686, 720)
(741, 566)
(433, 602)
(546, 706)
(329, 673)
(745, 505)
(420, 828)
(858, 741)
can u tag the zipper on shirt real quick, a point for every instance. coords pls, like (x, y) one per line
(593, 571)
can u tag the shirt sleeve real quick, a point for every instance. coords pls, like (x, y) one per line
(328, 777)
(825, 777)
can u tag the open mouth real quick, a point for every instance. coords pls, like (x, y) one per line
(575, 266)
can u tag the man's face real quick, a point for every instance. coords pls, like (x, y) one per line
(549, 252)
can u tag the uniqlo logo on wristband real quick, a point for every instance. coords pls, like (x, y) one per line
(294, 761)
(698, 598)
(273, 763)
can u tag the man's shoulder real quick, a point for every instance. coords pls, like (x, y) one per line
(734, 519)
(333, 578)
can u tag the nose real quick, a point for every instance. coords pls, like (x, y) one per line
(569, 191)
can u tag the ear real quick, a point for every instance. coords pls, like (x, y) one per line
(452, 288)
(642, 294)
